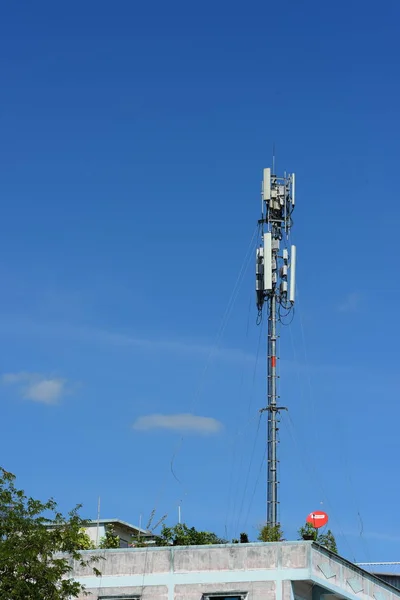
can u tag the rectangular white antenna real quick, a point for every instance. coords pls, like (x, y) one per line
(267, 260)
(293, 189)
(267, 185)
(292, 292)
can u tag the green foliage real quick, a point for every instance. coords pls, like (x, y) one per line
(269, 533)
(328, 541)
(30, 567)
(182, 535)
(139, 541)
(243, 539)
(110, 540)
(84, 542)
(144, 539)
(308, 532)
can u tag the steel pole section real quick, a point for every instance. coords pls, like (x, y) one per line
(272, 486)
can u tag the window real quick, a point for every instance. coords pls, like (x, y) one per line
(233, 596)
(128, 597)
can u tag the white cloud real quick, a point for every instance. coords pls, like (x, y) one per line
(13, 377)
(47, 391)
(180, 422)
(350, 303)
(39, 388)
(124, 340)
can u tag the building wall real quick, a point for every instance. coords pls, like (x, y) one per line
(122, 532)
(274, 571)
(92, 532)
(392, 578)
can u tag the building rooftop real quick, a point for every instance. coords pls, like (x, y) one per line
(120, 523)
(257, 571)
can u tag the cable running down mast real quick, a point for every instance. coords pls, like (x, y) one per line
(275, 287)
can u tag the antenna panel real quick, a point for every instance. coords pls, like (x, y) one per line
(293, 188)
(292, 293)
(259, 270)
(267, 261)
(267, 185)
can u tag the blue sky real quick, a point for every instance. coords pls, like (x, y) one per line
(133, 140)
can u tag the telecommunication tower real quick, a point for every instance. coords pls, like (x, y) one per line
(275, 288)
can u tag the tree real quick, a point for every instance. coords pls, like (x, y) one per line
(182, 535)
(308, 532)
(270, 533)
(110, 540)
(243, 539)
(328, 541)
(30, 567)
(84, 542)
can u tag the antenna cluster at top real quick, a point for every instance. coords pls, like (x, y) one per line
(275, 262)
(278, 200)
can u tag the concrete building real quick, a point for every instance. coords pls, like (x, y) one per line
(97, 529)
(257, 571)
(389, 571)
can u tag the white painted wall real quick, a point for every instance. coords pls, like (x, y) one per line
(122, 532)
(92, 532)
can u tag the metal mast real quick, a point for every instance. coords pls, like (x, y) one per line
(274, 261)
